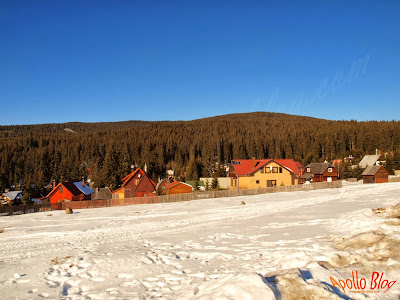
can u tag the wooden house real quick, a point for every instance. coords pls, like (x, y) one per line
(319, 172)
(70, 191)
(13, 197)
(178, 187)
(136, 184)
(175, 187)
(375, 174)
(256, 173)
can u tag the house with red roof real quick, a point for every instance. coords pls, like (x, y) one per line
(261, 173)
(69, 191)
(136, 184)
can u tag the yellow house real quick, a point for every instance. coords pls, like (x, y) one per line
(254, 174)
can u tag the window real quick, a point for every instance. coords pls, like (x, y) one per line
(308, 170)
(330, 170)
(280, 170)
(267, 170)
(61, 189)
(271, 183)
(163, 187)
(275, 170)
(262, 170)
(257, 181)
(136, 181)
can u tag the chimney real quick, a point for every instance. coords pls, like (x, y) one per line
(145, 168)
(254, 161)
(54, 184)
(83, 182)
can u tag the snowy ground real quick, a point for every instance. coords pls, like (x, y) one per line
(206, 249)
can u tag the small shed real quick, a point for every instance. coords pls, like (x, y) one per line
(178, 187)
(375, 174)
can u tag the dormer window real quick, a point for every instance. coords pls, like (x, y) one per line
(308, 170)
(330, 170)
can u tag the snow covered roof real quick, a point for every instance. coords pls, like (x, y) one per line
(13, 195)
(368, 160)
(84, 188)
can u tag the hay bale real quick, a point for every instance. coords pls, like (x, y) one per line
(68, 211)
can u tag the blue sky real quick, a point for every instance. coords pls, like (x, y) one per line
(94, 61)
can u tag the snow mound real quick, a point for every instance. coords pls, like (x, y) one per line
(232, 287)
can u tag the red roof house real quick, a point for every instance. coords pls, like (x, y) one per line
(69, 191)
(261, 173)
(136, 184)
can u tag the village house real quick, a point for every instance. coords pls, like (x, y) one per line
(319, 172)
(136, 184)
(369, 160)
(256, 173)
(375, 174)
(10, 197)
(69, 191)
(174, 187)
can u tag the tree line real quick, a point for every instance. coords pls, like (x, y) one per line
(32, 156)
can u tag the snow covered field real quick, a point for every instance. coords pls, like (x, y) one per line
(207, 249)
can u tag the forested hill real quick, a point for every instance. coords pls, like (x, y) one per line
(38, 154)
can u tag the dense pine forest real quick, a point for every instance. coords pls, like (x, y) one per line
(35, 155)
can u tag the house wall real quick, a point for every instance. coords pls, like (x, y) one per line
(368, 179)
(145, 188)
(250, 182)
(59, 196)
(333, 174)
(180, 189)
(382, 175)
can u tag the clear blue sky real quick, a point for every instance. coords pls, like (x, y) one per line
(95, 61)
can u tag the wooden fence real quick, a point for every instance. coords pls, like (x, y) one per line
(198, 195)
(394, 179)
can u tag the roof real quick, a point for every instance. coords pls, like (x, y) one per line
(84, 188)
(372, 170)
(318, 168)
(368, 160)
(307, 176)
(244, 167)
(69, 185)
(175, 183)
(337, 162)
(12, 195)
(127, 178)
(72, 188)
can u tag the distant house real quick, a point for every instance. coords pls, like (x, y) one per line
(70, 191)
(136, 184)
(349, 159)
(10, 197)
(337, 163)
(262, 173)
(319, 172)
(369, 160)
(375, 174)
(166, 187)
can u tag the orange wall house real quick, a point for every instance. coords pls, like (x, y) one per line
(262, 173)
(136, 184)
(68, 191)
(178, 187)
